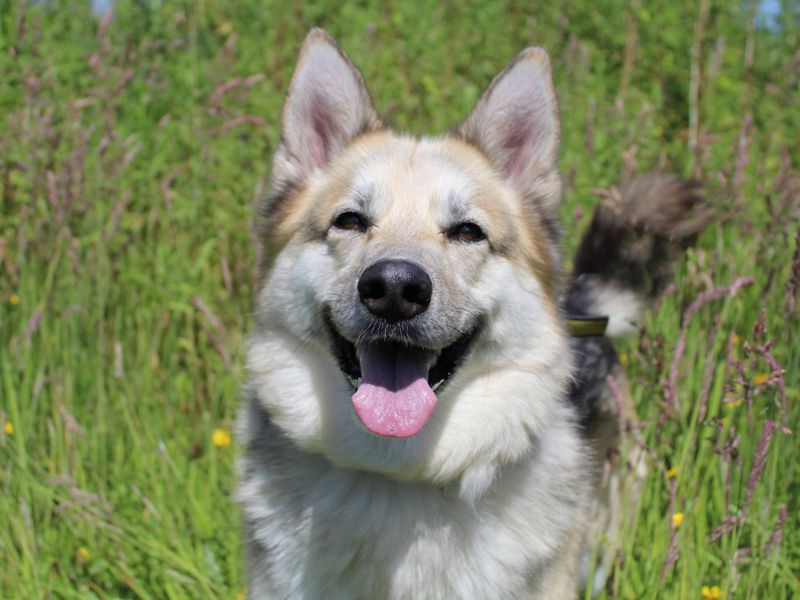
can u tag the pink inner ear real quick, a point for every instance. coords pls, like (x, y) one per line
(316, 148)
(518, 147)
(321, 133)
(519, 163)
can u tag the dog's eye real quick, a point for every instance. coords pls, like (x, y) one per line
(466, 232)
(351, 221)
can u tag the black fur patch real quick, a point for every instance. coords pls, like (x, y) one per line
(595, 359)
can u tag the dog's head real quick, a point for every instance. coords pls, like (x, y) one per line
(406, 320)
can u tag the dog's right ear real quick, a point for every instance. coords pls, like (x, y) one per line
(327, 105)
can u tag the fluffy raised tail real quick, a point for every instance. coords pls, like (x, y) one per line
(626, 255)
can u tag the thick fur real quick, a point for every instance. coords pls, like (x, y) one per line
(491, 499)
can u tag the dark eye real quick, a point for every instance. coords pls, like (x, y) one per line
(351, 221)
(466, 232)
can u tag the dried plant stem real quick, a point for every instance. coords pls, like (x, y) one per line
(631, 37)
(756, 470)
(701, 299)
(694, 87)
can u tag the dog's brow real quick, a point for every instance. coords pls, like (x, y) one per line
(363, 194)
(458, 204)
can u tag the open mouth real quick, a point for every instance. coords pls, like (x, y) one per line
(395, 384)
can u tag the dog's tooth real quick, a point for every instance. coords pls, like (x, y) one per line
(437, 384)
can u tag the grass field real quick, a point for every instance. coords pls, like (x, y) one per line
(132, 148)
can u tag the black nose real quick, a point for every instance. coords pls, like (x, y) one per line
(395, 290)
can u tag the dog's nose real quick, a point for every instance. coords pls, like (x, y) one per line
(395, 290)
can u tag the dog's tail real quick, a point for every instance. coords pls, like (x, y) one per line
(626, 255)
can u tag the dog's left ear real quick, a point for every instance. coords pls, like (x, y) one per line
(515, 123)
(327, 105)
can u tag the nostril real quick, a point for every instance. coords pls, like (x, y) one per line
(418, 293)
(371, 288)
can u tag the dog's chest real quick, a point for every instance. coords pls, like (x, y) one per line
(360, 536)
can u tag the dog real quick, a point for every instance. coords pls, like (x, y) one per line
(418, 421)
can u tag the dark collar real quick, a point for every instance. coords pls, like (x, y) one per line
(579, 326)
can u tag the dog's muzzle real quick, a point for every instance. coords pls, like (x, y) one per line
(395, 372)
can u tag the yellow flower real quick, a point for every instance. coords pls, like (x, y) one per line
(623, 359)
(733, 403)
(677, 519)
(761, 378)
(221, 438)
(9, 428)
(13, 299)
(82, 555)
(672, 473)
(711, 593)
(736, 339)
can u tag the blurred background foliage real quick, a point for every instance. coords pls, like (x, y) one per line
(134, 140)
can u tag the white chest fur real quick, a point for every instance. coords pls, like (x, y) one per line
(317, 531)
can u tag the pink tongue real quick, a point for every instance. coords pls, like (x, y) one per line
(394, 398)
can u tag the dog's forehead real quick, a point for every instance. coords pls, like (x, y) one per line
(430, 176)
(415, 169)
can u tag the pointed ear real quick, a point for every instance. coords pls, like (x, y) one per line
(327, 105)
(516, 124)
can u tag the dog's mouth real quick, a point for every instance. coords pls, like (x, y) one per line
(395, 384)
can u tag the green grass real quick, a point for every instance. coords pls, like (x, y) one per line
(127, 178)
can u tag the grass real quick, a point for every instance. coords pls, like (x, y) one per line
(132, 148)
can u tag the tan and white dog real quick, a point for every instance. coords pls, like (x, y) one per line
(414, 425)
